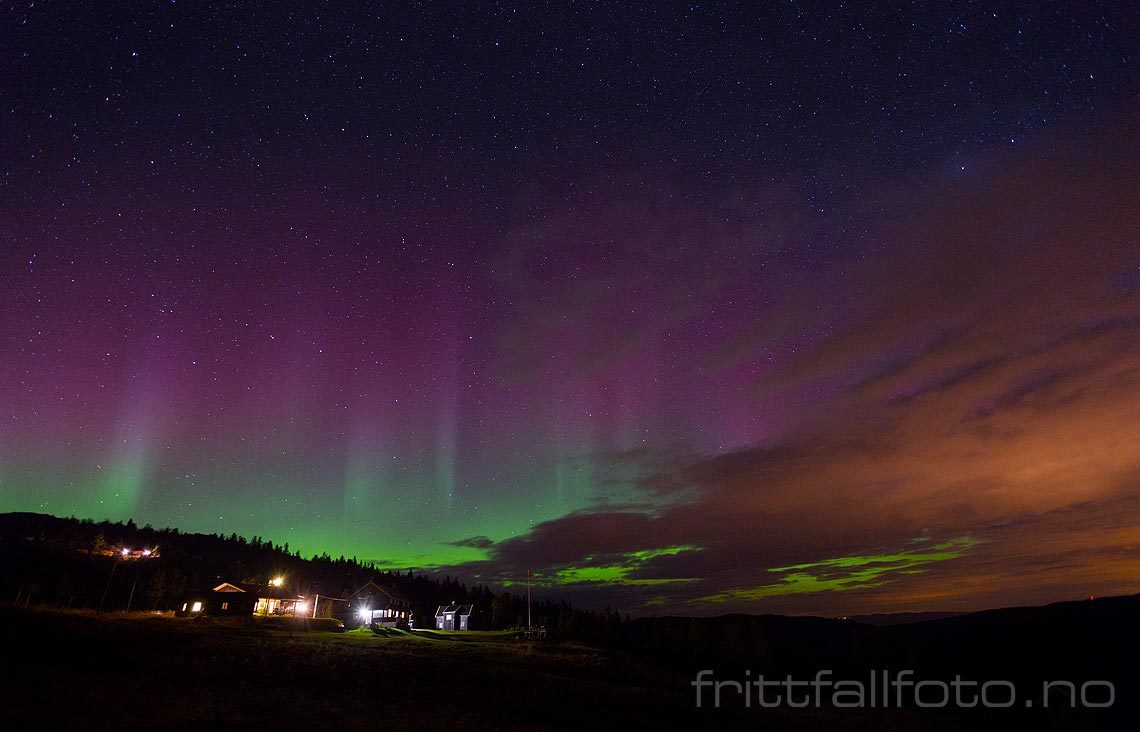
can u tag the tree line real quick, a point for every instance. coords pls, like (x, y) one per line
(78, 563)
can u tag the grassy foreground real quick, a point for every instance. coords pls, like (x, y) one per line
(68, 670)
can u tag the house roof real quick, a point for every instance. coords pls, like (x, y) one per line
(225, 588)
(221, 586)
(391, 592)
(461, 609)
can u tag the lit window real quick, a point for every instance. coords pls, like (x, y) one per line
(196, 607)
(225, 606)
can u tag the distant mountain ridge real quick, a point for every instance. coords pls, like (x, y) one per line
(884, 619)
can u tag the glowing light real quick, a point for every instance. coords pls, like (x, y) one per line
(196, 607)
(277, 581)
(126, 552)
(301, 607)
(365, 613)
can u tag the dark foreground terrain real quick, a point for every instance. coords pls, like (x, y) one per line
(73, 670)
(81, 670)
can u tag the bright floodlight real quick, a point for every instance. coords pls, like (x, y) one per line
(277, 581)
(365, 612)
(126, 551)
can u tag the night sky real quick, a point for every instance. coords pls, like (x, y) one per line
(815, 307)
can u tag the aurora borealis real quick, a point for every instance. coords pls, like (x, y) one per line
(810, 308)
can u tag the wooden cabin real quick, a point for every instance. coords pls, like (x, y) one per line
(375, 604)
(226, 598)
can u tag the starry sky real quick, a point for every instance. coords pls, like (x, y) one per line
(804, 307)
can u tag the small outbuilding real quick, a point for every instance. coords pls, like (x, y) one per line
(453, 617)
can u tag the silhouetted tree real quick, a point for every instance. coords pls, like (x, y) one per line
(156, 588)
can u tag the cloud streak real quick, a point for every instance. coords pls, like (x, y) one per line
(971, 385)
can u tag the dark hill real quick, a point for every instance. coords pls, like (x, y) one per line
(882, 619)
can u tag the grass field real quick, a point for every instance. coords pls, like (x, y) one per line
(68, 670)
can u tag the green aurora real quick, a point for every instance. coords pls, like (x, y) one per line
(847, 573)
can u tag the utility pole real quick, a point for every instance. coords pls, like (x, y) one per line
(114, 566)
(132, 595)
(528, 599)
